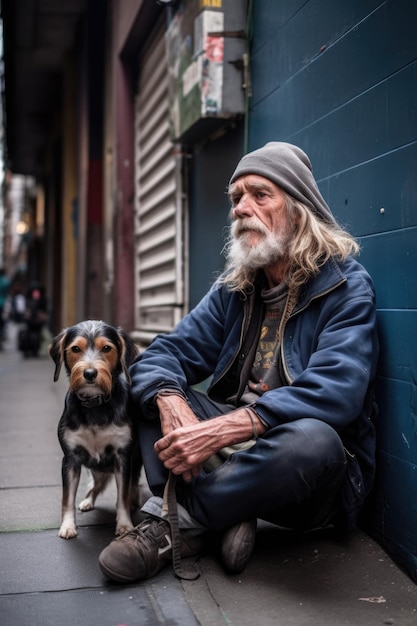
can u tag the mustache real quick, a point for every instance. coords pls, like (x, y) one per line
(247, 224)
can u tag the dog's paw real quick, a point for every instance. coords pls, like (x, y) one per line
(123, 528)
(86, 505)
(67, 532)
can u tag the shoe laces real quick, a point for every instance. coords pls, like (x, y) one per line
(140, 532)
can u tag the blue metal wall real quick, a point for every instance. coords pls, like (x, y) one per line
(211, 166)
(338, 78)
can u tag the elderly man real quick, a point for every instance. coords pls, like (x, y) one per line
(287, 336)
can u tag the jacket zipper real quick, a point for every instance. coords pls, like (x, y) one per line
(236, 353)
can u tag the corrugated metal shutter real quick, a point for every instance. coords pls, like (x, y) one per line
(159, 211)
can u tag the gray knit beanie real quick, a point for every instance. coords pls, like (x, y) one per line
(288, 167)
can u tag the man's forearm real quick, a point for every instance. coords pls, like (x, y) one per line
(174, 412)
(235, 427)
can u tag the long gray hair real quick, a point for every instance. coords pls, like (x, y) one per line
(313, 243)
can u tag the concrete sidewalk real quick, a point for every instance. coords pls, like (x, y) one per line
(290, 581)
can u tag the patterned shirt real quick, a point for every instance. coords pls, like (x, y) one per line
(265, 373)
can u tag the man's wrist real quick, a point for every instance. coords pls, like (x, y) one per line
(164, 393)
(257, 423)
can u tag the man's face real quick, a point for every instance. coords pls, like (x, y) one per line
(260, 229)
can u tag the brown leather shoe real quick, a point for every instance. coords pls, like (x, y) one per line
(144, 551)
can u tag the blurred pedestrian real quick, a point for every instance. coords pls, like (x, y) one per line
(34, 318)
(18, 306)
(4, 292)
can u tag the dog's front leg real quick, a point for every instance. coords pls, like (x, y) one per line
(122, 476)
(70, 480)
(97, 482)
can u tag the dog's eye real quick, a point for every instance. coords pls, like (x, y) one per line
(106, 348)
(75, 349)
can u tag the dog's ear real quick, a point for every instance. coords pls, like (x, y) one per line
(129, 353)
(56, 350)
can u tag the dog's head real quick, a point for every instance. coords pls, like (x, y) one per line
(94, 354)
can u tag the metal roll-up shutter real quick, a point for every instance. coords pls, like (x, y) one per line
(159, 203)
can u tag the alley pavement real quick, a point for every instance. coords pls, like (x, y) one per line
(291, 580)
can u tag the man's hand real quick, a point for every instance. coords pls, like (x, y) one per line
(184, 449)
(187, 442)
(174, 413)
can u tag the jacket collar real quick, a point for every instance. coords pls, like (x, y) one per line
(329, 278)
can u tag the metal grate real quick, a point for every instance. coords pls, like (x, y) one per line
(159, 214)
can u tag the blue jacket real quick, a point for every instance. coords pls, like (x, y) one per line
(329, 352)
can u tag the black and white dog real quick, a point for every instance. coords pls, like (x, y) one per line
(95, 429)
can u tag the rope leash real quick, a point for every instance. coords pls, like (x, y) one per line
(170, 510)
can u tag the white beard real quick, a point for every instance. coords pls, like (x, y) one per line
(271, 248)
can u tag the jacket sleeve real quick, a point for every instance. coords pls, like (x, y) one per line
(185, 356)
(332, 367)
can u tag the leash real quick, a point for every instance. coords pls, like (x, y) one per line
(170, 508)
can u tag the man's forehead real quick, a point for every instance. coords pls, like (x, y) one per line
(252, 181)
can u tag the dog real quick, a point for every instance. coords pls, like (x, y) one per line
(96, 429)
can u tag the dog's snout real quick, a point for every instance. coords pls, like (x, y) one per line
(90, 374)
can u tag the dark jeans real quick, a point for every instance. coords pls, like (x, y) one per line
(292, 476)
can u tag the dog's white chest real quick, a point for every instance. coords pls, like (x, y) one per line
(96, 439)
